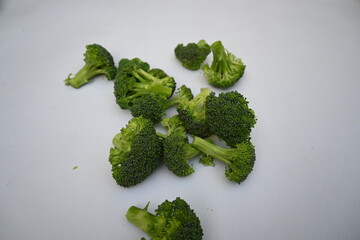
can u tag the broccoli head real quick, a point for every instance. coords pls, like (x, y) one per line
(225, 70)
(229, 117)
(154, 107)
(192, 114)
(134, 78)
(240, 159)
(177, 150)
(98, 61)
(137, 152)
(192, 55)
(173, 220)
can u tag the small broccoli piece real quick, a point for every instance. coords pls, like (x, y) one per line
(137, 152)
(240, 159)
(149, 106)
(192, 114)
(173, 220)
(225, 70)
(154, 107)
(192, 55)
(229, 117)
(177, 150)
(134, 78)
(98, 61)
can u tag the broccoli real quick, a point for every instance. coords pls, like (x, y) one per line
(97, 61)
(229, 117)
(134, 78)
(225, 70)
(177, 150)
(192, 55)
(154, 107)
(137, 152)
(240, 159)
(173, 220)
(192, 114)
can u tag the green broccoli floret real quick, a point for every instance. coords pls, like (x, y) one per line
(173, 220)
(98, 61)
(137, 152)
(240, 159)
(192, 55)
(134, 78)
(225, 70)
(149, 106)
(192, 114)
(177, 150)
(154, 107)
(229, 117)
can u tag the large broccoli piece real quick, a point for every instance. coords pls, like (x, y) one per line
(134, 78)
(154, 107)
(98, 61)
(173, 220)
(192, 55)
(137, 152)
(225, 70)
(192, 114)
(177, 150)
(240, 159)
(229, 117)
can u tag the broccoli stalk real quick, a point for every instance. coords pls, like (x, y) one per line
(173, 220)
(225, 69)
(143, 86)
(240, 160)
(98, 61)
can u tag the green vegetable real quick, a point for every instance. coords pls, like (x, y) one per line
(134, 79)
(137, 152)
(225, 70)
(192, 114)
(177, 150)
(98, 61)
(240, 159)
(154, 107)
(192, 55)
(229, 117)
(173, 220)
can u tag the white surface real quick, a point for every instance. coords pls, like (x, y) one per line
(302, 80)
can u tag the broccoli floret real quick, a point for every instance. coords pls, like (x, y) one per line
(149, 106)
(137, 152)
(225, 70)
(98, 61)
(154, 107)
(229, 117)
(177, 150)
(192, 114)
(240, 159)
(192, 55)
(134, 78)
(173, 220)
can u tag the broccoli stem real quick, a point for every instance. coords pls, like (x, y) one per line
(220, 62)
(83, 76)
(141, 218)
(199, 99)
(147, 88)
(212, 150)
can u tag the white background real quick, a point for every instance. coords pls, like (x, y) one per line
(302, 80)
